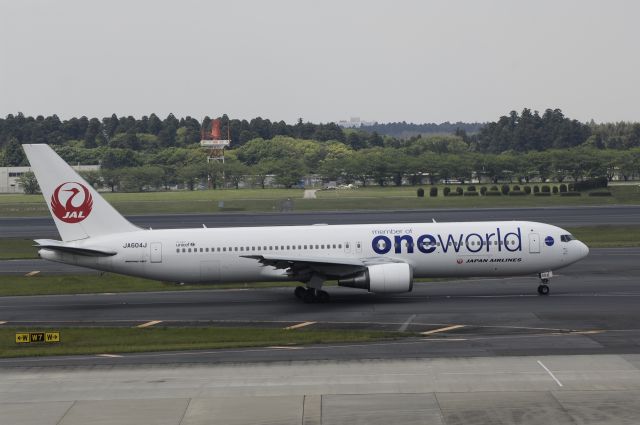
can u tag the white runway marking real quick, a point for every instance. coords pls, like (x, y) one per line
(405, 325)
(151, 323)
(109, 355)
(299, 325)
(33, 273)
(448, 328)
(550, 374)
(283, 347)
(2, 322)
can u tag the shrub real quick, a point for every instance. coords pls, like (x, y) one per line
(527, 190)
(536, 189)
(554, 190)
(570, 193)
(546, 189)
(505, 189)
(517, 193)
(471, 193)
(494, 188)
(446, 191)
(483, 190)
(516, 188)
(492, 193)
(433, 192)
(459, 190)
(596, 183)
(563, 188)
(471, 188)
(420, 192)
(600, 193)
(542, 194)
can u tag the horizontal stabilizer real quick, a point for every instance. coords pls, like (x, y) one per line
(62, 247)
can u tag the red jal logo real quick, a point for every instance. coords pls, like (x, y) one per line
(460, 261)
(71, 202)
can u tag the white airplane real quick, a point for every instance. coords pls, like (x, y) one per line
(379, 258)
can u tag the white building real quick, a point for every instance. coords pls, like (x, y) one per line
(9, 176)
(355, 122)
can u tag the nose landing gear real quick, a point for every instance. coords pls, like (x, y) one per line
(543, 289)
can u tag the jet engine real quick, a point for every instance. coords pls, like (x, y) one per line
(382, 278)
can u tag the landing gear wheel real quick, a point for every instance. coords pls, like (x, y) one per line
(543, 289)
(323, 296)
(299, 292)
(309, 296)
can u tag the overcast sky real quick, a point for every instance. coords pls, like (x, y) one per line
(417, 61)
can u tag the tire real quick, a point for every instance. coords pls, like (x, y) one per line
(323, 296)
(543, 290)
(299, 292)
(309, 297)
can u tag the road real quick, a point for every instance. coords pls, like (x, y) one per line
(43, 227)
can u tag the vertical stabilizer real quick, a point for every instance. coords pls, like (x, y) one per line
(77, 208)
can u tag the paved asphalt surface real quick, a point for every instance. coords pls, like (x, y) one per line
(43, 227)
(592, 309)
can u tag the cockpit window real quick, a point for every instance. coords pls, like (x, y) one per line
(566, 238)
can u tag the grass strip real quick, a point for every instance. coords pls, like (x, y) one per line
(95, 283)
(75, 341)
(270, 200)
(607, 236)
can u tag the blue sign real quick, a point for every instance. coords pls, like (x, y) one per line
(548, 240)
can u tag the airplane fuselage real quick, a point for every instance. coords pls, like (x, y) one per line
(431, 249)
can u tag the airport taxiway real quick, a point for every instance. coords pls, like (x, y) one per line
(43, 227)
(592, 309)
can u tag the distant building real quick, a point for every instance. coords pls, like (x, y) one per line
(9, 176)
(354, 122)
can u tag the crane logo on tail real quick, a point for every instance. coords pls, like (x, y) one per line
(71, 202)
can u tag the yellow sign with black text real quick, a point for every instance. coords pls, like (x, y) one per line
(35, 337)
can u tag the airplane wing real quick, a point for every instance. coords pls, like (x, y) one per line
(333, 268)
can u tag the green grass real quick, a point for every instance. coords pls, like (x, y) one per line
(12, 249)
(269, 200)
(128, 340)
(607, 236)
(92, 283)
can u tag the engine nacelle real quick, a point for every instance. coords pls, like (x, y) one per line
(382, 278)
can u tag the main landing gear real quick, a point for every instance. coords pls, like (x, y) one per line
(311, 295)
(543, 289)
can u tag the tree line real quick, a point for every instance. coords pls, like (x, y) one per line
(285, 161)
(518, 132)
(154, 153)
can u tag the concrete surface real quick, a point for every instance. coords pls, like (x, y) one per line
(602, 390)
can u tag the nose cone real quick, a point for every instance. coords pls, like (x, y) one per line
(584, 249)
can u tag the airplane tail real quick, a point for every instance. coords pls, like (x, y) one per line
(77, 208)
